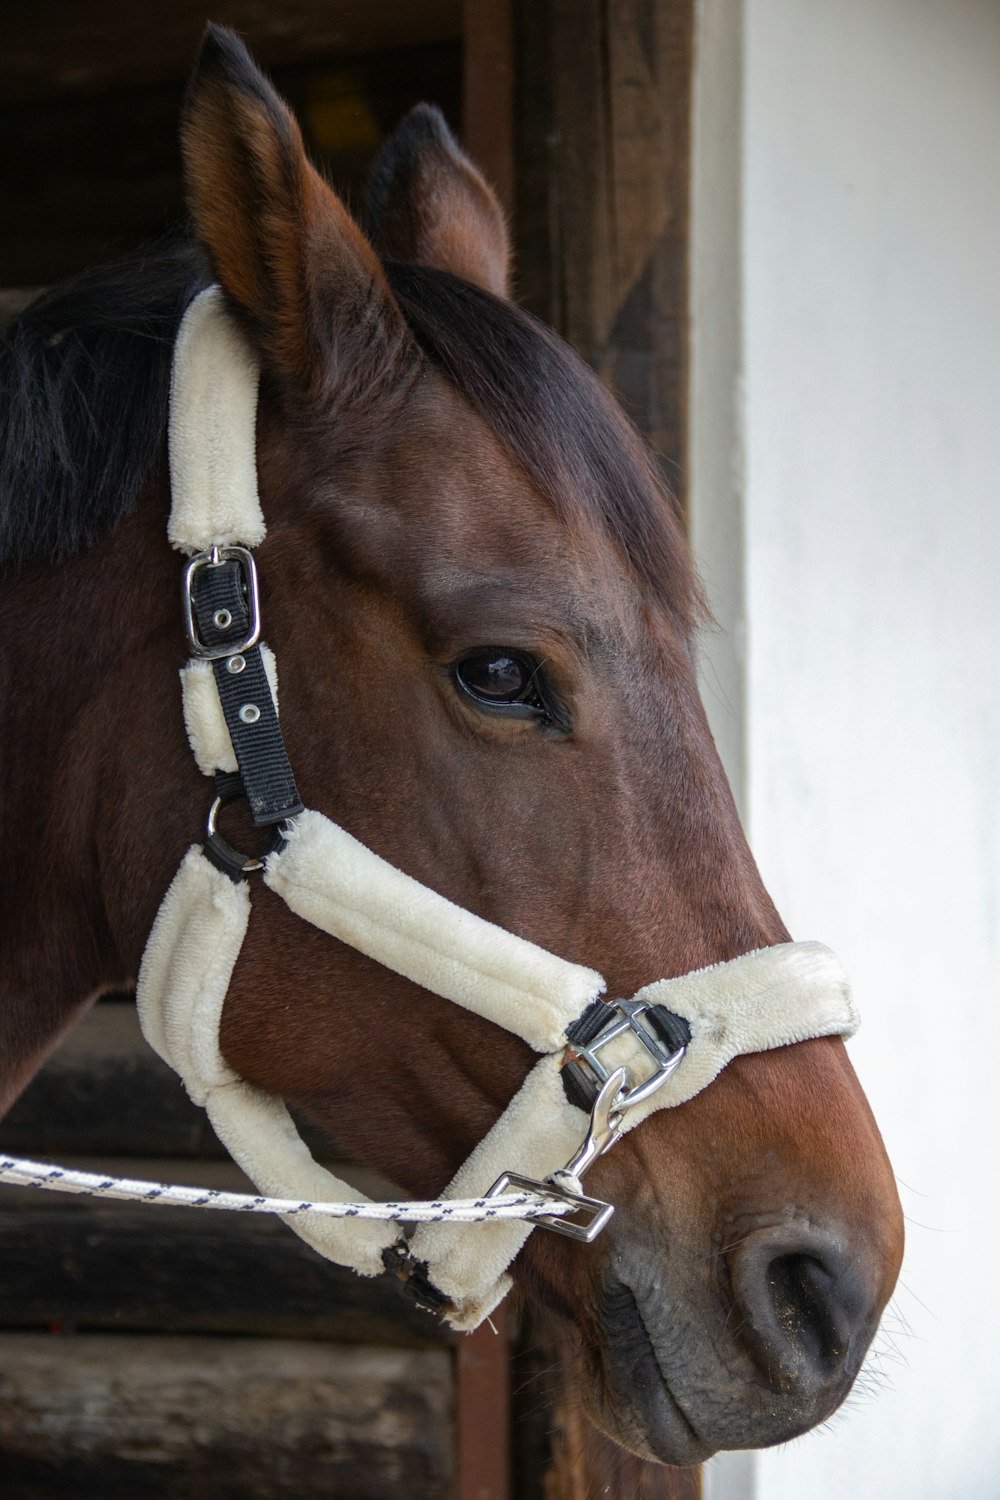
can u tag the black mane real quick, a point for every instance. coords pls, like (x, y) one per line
(85, 379)
(84, 383)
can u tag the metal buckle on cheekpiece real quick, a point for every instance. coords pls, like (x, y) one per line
(213, 559)
(633, 1016)
(590, 1214)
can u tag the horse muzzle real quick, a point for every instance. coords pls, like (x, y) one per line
(755, 1354)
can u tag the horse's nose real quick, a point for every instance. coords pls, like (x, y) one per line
(805, 1307)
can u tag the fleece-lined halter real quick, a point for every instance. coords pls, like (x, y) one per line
(619, 1061)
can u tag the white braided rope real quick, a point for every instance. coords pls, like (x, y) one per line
(20, 1172)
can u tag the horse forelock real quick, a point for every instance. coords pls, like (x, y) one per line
(84, 384)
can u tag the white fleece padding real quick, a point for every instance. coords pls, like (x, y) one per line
(771, 998)
(335, 882)
(212, 432)
(537, 1134)
(183, 981)
(186, 969)
(203, 717)
(262, 1138)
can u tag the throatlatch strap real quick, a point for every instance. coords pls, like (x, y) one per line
(219, 591)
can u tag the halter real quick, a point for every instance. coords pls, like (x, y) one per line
(614, 1061)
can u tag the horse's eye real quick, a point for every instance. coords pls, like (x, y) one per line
(496, 677)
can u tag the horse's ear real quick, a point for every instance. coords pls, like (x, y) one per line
(427, 203)
(286, 251)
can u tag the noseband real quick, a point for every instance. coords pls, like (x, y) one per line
(616, 1061)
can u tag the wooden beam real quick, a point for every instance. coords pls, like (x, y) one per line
(482, 1398)
(57, 50)
(94, 1264)
(168, 1419)
(106, 1092)
(603, 145)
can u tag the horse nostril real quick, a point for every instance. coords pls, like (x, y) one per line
(803, 1305)
(799, 1287)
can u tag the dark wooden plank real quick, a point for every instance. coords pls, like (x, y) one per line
(482, 1401)
(104, 1090)
(120, 1418)
(52, 49)
(602, 150)
(488, 92)
(90, 1264)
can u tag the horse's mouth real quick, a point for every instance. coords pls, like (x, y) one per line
(631, 1398)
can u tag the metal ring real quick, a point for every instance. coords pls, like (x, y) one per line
(249, 861)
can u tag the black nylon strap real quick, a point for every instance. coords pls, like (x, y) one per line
(218, 590)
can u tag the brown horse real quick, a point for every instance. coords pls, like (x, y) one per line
(484, 613)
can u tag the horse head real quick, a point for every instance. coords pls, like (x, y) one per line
(484, 613)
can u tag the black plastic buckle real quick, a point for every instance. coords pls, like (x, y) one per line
(416, 1282)
(663, 1036)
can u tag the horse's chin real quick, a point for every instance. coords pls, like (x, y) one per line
(626, 1392)
(629, 1398)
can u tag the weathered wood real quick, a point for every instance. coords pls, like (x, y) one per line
(54, 50)
(92, 1264)
(104, 1090)
(603, 145)
(120, 1418)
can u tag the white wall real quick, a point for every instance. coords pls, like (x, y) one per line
(867, 572)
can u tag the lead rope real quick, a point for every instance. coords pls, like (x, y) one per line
(19, 1171)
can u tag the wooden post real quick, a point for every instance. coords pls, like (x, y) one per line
(602, 104)
(482, 1411)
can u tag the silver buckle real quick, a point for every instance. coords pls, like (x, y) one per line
(213, 559)
(585, 1223)
(629, 1018)
(590, 1214)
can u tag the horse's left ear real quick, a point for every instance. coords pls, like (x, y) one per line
(427, 203)
(293, 263)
